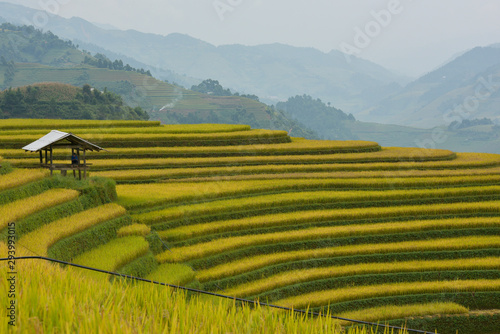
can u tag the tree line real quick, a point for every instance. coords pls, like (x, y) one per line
(213, 87)
(101, 61)
(87, 103)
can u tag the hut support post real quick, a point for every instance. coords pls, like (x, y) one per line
(79, 170)
(73, 152)
(84, 164)
(51, 161)
(41, 157)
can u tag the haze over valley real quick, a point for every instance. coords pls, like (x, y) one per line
(385, 105)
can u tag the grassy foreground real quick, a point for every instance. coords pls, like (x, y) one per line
(65, 301)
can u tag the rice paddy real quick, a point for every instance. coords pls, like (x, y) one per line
(113, 255)
(20, 177)
(298, 276)
(150, 195)
(317, 171)
(318, 216)
(377, 234)
(331, 296)
(134, 229)
(39, 241)
(24, 207)
(239, 266)
(63, 300)
(397, 311)
(297, 199)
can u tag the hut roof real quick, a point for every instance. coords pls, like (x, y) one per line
(56, 136)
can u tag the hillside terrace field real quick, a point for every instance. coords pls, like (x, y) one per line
(137, 89)
(405, 236)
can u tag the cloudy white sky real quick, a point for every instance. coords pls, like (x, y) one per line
(416, 36)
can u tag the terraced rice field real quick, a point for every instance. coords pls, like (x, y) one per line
(114, 254)
(350, 228)
(44, 237)
(24, 207)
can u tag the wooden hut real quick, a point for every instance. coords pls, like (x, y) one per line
(58, 139)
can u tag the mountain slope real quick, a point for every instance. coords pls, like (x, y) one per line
(63, 101)
(273, 72)
(467, 87)
(328, 121)
(174, 104)
(29, 56)
(165, 102)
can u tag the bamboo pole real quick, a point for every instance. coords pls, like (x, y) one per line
(79, 170)
(73, 152)
(51, 161)
(84, 164)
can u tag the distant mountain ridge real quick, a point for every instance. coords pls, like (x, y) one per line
(429, 101)
(273, 72)
(29, 56)
(466, 87)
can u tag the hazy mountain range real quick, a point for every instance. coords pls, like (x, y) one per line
(273, 72)
(465, 88)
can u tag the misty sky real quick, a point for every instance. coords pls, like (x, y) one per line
(412, 37)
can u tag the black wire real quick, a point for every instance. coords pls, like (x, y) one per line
(164, 244)
(246, 301)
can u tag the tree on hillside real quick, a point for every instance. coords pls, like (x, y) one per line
(467, 123)
(10, 72)
(101, 61)
(28, 40)
(46, 102)
(211, 87)
(314, 113)
(250, 96)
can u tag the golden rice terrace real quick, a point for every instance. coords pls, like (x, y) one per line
(399, 235)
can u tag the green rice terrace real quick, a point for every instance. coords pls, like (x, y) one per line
(403, 236)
